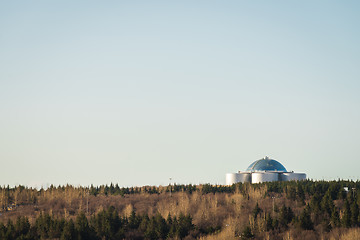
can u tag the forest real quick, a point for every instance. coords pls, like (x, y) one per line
(274, 210)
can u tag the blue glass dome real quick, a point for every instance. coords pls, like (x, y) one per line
(266, 164)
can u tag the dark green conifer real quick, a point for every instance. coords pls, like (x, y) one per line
(300, 193)
(69, 232)
(247, 233)
(283, 221)
(327, 204)
(133, 220)
(346, 219)
(84, 231)
(354, 214)
(22, 226)
(335, 219)
(256, 210)
(10, 230)
(305, 220)
(269, 222)
(2, 231)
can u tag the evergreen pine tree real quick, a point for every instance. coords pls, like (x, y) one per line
(150, 232)
(291, 192)
(315, 206)
(247, 234)
(327, 204)
(346, 219)
(290, 215)
(354, 214)
(300, 193)
(83, 228)
(2, 231)
(169, 220)
(335, 219)
(283, 216)
(161, 227)
(10, 230)
(22, 226)
(133, 220)
(184, 225)
(269, 222)
(69, 232)
(256, 210)
(173, 228)
(305, 220)
(144, 223)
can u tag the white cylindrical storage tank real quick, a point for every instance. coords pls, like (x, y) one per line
(232, 178)
(299, 176)
(293, 176)
(259, 177)
(287, 176)
(244, 177)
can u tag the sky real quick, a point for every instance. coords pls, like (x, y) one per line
(137, 92)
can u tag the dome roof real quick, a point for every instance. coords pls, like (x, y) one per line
(266, 164)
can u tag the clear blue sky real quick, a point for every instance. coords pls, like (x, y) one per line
(135, 92)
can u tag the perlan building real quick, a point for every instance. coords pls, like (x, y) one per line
(264, 170)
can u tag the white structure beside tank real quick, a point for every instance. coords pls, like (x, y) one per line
(264, 170)
(244, 177)
(291, 176)
(232, 178)
(259, 177)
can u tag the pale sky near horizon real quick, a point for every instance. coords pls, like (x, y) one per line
(136, 92)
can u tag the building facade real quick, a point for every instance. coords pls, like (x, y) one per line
(264, 170)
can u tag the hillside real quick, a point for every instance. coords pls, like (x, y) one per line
(278, 210)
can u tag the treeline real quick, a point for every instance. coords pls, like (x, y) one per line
(107, 224)
(323, 213)
(275, 210)
(297, 190)
(22, 194)
(25, 195)
(116, 190)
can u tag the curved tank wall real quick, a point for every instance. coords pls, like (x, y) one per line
(293, 176)
(231, 178)
(259, 177)
(244, 177)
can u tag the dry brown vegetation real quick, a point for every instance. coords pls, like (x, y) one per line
(228, 211)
